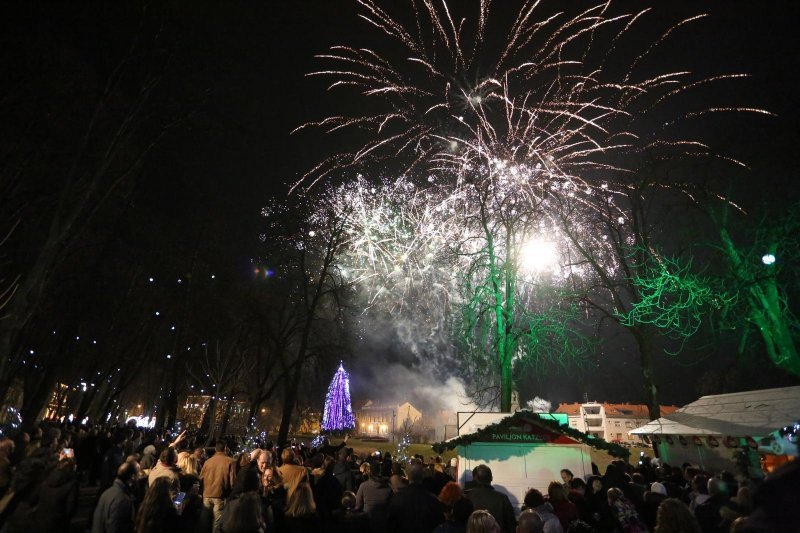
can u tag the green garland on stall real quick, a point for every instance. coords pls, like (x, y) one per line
(615, 450)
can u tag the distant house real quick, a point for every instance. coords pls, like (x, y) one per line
(384, 420)
(710, 431)
(609, 421)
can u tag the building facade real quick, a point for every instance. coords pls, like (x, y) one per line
(375, 420)
(612, 422)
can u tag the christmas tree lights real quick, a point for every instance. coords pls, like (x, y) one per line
(338, 414)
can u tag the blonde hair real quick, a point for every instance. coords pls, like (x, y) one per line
(189, 464)
(366, 469)
(481, 521)
(301, 501)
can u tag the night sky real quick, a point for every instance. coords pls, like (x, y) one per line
(234, 74)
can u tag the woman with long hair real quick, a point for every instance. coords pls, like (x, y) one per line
(243, 515)
(157, 512)
(301, 511)
(674, 516)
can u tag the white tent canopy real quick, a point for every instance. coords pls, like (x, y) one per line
(741, 414)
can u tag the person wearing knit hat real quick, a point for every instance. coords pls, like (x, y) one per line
(652, 499)
(659, 488)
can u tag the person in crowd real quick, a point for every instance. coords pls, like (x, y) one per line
(201, 456)
(699, 491)
(708, 513)
(534, 500)
(635, 489)
(675, 517)
(328, 450)
(565, 510)
(450, 494)
(343, 472)
(373, 496)
(112, 458)
(482, 521)
(19, 504)
(274, 494)
(624, 512)
(566, 477)
(530, 522)
(456, 512)
(577, 495)
(775, 502)
(301, 511)
(189, 471)
(157, 513)
(216, 481)
(414, 508)
(349, 520)
(114, 512)
(484, 496)
(167, 468)
(327, 491)
(440, 477)
(243, 515)
(598, 504)
(243, 460)
(58, 498)
(148, 460)
(248, 478)
(292, 473)
(651, 501)
(364, 470)
(737, 507)
(398, 479)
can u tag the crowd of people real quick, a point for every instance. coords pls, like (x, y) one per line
(152, 481)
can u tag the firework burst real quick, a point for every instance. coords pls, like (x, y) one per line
(499, 129)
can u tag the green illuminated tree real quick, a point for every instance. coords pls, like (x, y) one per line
(752, 293)
(758, 276)
(513, 317)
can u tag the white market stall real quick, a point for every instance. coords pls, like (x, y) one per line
(715, 431)
(524, 450)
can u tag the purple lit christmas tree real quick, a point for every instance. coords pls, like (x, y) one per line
(338, 414)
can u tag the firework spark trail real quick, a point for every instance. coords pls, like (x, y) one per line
(540, 122)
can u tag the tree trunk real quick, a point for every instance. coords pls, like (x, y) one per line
(645, 344)
(226, 417)
(207, 423)
(38, 389)
(289, 402)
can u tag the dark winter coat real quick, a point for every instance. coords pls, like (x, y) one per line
(414, 509)
(373, 497)
(114, 511)
(497, 503)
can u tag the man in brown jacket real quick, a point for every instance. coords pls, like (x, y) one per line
(216, 481)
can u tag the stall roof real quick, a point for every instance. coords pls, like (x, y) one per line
(741, 414)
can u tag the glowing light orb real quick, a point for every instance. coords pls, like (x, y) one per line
(538, 255)
(768, 259)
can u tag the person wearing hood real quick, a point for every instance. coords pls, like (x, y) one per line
(534, 500)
